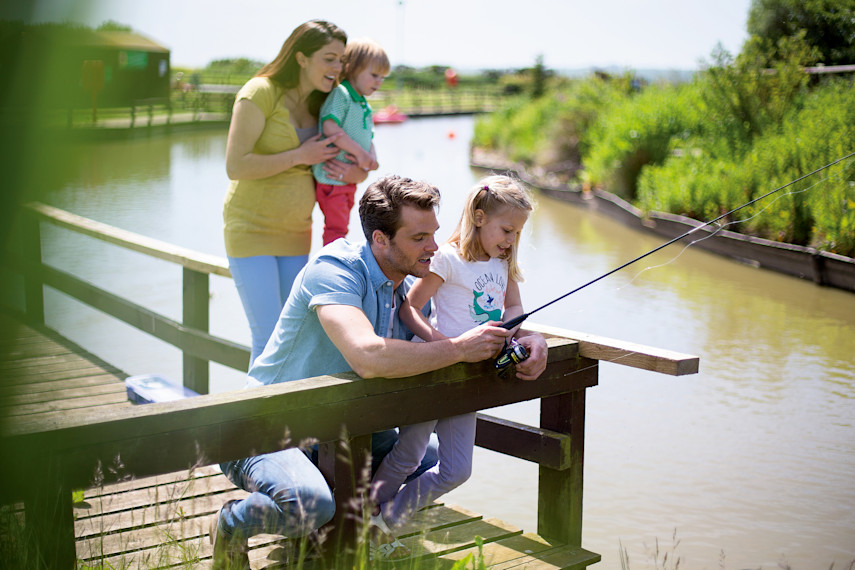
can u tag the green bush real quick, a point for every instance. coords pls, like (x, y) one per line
(638, 131)
(819, 211)
(551, 130)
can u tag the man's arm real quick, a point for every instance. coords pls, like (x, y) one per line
(373, 356)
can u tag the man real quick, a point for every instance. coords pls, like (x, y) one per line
(342, 315)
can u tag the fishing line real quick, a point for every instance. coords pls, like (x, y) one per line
(518, 320)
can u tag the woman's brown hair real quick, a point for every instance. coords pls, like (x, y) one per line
(307, 38)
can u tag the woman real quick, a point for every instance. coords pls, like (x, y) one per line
(273, 141)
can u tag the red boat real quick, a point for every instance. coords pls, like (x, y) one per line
(389, 114)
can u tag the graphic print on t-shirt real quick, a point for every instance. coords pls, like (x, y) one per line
(488, 298)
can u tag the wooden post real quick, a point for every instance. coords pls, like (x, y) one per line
(49, 517)
(559, 509)
(346, 465)
(196, 315)
(31, 243)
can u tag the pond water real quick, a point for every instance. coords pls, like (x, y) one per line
(748, 464)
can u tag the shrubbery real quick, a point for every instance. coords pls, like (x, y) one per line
(700, 149)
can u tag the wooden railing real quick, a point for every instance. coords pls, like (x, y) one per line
(50, 460)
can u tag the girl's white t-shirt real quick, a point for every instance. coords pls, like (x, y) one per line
(473, 292)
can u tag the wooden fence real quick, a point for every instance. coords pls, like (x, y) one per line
(52, 458)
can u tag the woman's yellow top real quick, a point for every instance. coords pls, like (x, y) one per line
(270, 216)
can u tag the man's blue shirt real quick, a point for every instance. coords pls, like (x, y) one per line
(343, 273)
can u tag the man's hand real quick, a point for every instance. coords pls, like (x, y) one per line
(481, 343)
(535, 364)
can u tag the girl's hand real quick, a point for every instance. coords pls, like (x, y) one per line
(316, 150)
(538, 352)
(344, 171)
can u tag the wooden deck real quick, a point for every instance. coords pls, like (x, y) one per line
(163, 521)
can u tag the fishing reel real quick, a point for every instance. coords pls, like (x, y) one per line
(512, 353)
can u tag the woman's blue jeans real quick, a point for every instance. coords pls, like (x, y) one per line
(263, 283)
(288, 494)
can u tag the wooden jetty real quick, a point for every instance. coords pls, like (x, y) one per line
(148, 472)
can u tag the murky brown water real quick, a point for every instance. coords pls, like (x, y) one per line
(749, 463)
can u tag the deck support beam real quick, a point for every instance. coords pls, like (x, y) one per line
(559, 498)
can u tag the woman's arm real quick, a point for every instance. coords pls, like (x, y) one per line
(345, 171)
(346, 143)
(242, 163)
(417, 297)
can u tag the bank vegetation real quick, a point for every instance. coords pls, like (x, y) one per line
(744, 125)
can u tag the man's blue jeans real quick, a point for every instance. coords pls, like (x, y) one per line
(288, 494)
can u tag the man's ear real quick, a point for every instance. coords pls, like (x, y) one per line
(380, 238)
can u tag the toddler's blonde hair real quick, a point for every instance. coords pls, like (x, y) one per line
(361, 53)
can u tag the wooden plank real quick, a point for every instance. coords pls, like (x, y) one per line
(167, 437)
(43, 384)
(146, 527)
(458, 537)
(437, 517)
(33, 349)
(167, 479)
(558, 558)
(503, 551)
(545, 447)
(185, 257)
(191, 341)
(115, 400)
(45, 364)
(76, 392)
(625, 353)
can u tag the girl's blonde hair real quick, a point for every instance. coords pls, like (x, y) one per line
(490, 194)
(361, 53)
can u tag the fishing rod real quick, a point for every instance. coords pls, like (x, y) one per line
(517, 320)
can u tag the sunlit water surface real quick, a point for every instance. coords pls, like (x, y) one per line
(748, 464)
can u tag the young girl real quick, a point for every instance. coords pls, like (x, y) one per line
(473, 280)
(346, 113)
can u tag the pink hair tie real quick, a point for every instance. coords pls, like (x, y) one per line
(487, 188)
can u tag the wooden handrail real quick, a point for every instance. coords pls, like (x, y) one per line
(191, 259)
(171, 436)
(625, 353)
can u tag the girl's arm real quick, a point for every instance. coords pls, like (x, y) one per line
(346, 143)
(513, 304)
(417, 297)
(242, 163)
(534, 343)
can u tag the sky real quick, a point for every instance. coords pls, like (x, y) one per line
(465, 34)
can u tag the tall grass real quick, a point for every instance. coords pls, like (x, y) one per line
(181, 545)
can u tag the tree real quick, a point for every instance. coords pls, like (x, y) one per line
(829, 25)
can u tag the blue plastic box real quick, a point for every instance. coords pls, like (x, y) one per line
(151, 388)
